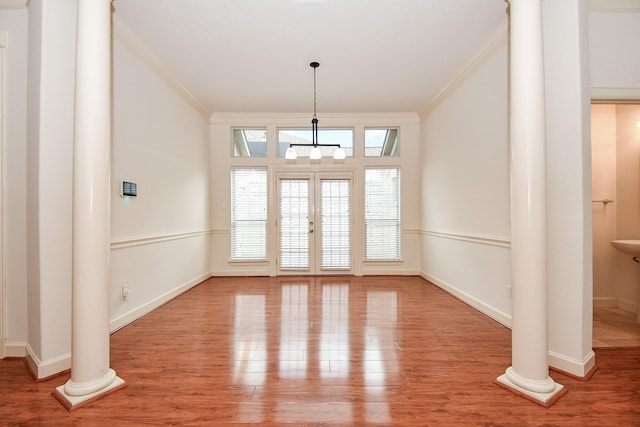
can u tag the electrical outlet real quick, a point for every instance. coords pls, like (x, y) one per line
(507, 291)
(126, 291)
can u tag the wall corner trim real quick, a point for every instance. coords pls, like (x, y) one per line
(579, 368)
(47, 368)
(129, 40)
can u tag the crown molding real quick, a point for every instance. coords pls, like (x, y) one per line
(494, 43)
(328, 119)
(129, 40)
(628, 6)
(14, 4)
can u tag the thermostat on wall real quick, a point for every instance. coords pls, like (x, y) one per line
(128, 189)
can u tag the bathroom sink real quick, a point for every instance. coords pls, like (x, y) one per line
(627, 246)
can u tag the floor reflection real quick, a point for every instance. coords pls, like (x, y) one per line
(294, 330)
(334, 335)
(380, 348)
(301, 334)
(250, 355)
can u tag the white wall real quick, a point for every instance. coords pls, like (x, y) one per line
(569, 230)
(465, 190)
(161, 238)
(49, 182)
(614, 51)
(15, 23)
(222, 162)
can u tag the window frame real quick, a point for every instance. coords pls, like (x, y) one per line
(365, 217)
(396, 150)
(249, 128)
(265, 221)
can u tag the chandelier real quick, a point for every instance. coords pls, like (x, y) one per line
(314, 154)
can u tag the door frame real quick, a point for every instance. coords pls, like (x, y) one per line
(315, 176)
(3, 325)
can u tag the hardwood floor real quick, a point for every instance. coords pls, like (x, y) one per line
(317, 351)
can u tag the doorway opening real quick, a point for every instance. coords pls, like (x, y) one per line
(615, 154)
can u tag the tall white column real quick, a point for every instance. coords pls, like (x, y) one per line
(91, 376)
(529, 373)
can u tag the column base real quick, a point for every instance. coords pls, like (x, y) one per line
(74, 402)
(545, 399)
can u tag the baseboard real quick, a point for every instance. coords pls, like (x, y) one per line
(133, 315)
(15, 349)
(578, 368)
(627, 305)
(244, 273)
(475, 303)
(386, 272)
(604, 302)
(48, 368)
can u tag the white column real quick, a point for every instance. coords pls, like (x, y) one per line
(91, 375)
(529, 373)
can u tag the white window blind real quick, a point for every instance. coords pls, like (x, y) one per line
(248, 214)
(382, 214)
(336, 224)
(294, 223)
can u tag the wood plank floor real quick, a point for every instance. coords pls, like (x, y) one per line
(319, 351)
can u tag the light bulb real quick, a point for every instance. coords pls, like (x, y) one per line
(315, 154)
(291, 154)
(339, 154)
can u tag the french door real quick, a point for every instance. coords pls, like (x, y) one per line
(314, 223)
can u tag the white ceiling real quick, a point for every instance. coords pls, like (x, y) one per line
(254, 55)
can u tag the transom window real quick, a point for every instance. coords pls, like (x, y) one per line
(249, 142)
(344, 137)
(381, 142)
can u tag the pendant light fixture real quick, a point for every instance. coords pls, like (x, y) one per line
(315, 153)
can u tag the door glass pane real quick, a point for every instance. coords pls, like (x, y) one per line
(336, 224)
(294, 223)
